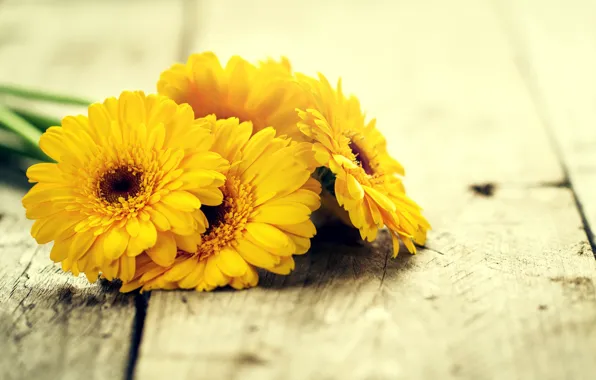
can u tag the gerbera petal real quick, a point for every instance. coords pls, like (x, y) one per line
(305, 229)
(132, 226)
(302, 243)
(209, 197)
(163, 253)
(156, 139)
(43, 210)
(381, 199)
(59, 251)
(285, 266)
(145, 239)
(420, 237)
(160, 221)
(127, 268)
(110, 269)
(238, 70)
(354, 188)
(187, 243)
(231, 263)
(301, 196)
(115, 243)
(248, 280)
(80, 245)
(42, 193)
(51, 143)
(321, 154)
(180, 222)
(194, 277)
(181, 270)
(205, 160)
(271, 238)
(44, 230)
(130, 286)
(213, 275)
(256, 146)
(255, 255)
(44, 172)
(92, 275)
(200, 178)
(281, 214)
(182, 200)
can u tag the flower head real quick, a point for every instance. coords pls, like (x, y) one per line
(129, 178)
(263, 220)
(264, 94)
(365, 178)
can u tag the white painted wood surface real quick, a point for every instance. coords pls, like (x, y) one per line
(511, 293)
(555, 47)
(512, 296)
(505, 289)
(52, 325)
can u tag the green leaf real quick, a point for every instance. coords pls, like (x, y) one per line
(327, 179)
(27, 133)
(45, 96)
(13, 150)
(40, 121)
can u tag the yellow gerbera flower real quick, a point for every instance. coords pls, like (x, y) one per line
(359, 173)
(265, 95)
(129, 177)
(264, 218)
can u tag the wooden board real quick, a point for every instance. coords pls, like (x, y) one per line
(468, 94)
(506, 288)
(512, 296)
(555, 45)
(53, 325)
(92, 49)
(429, 79)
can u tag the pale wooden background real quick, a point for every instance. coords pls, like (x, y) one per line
(469, 92)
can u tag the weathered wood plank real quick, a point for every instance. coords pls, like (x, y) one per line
(555, 42)
(88, 48)
(426, 77)
(506, 289)
(511, 297)
(53, 325)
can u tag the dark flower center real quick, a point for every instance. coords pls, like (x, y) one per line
(215, 215)
(361, 158)
(118, 183)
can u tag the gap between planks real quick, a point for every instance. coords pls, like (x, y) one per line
(189, 29)
(96, 49)
(515, 273)
(530, 79)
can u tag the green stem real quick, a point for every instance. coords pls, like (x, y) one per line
(12, 150)
(42, 122)
(19, 125)
(45, 96)
(22, 128)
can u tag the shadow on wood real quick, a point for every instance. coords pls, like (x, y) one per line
(333, 261)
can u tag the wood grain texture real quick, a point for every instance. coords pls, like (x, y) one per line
(555, 43)
(512, 296)
(426, 77)
(52, 325)
(92, 49)
(505, 289)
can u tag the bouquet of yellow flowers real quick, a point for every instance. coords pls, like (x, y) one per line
(214, 176)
